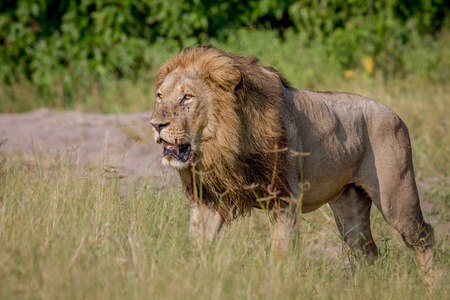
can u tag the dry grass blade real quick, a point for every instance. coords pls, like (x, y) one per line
(112, 172)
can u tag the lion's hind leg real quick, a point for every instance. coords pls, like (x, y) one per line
(352, 215)
(393, 191)
(400, 207)
(422, 242)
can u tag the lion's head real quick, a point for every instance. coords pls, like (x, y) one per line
(190, 90)
(222, 113)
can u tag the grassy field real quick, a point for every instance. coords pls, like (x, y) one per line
(66, 232)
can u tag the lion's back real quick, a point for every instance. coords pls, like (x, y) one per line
(331, 112)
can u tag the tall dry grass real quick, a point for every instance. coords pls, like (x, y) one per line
(67, 232)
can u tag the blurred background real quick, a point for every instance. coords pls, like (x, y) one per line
(101, 55)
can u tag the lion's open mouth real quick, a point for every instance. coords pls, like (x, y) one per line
(181, 152)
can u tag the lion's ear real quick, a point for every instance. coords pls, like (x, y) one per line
(161, 74)
(226, 75)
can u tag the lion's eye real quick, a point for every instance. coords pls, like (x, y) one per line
(187, 98)
(159, 96)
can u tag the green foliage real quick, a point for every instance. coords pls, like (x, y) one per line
(383, 29)
(62, 47)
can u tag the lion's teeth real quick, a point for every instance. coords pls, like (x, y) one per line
(169, 145)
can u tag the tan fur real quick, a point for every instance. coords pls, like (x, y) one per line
(247, 125)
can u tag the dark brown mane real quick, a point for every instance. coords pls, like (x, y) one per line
(238, 166)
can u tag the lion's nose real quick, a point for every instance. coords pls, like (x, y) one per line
(159, 126)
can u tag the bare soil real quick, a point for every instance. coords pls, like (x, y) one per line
(121, 142)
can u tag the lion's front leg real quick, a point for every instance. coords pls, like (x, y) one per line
(205, 222)
(285, 230)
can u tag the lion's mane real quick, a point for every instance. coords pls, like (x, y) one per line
(240, 167)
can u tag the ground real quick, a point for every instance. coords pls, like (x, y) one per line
(120, 141)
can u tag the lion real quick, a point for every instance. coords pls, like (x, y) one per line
(241, 137)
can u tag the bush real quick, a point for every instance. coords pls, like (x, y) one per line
(64, 46)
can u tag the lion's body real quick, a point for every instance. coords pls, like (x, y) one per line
(255, 140)
(349, 139)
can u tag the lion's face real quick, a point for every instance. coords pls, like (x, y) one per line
(180, 117)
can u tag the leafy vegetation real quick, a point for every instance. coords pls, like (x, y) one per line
(60, 53)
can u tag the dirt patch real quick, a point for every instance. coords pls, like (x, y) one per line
(121, 142)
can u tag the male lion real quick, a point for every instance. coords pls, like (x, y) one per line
(241, 137)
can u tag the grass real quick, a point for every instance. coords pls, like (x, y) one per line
(68, 232)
